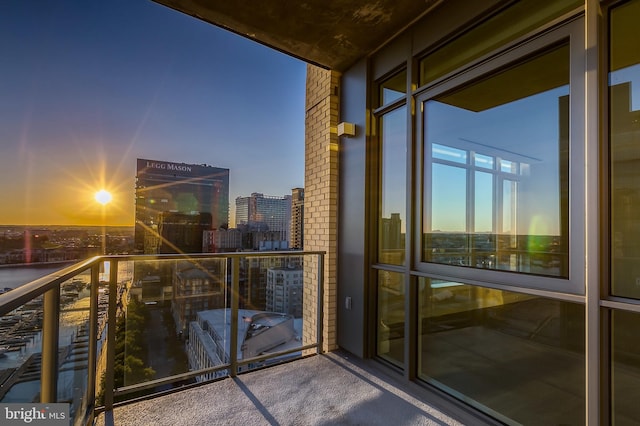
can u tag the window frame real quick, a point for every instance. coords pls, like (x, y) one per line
(378, 115)
(573, 31)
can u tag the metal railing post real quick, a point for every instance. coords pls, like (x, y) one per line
(50, 341)
(320, 307)
(93, 344)
(235, 302)
(109, 383)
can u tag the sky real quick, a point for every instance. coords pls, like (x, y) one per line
(86, 87)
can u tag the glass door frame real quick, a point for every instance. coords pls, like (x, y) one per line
(569, 288)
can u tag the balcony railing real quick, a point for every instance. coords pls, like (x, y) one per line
(116, 328)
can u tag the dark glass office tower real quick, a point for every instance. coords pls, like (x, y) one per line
(186, 189)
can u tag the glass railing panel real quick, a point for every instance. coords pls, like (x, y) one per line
(20, 353)
(271, 309)
(143, 326)
(156, 305)
(199, 286)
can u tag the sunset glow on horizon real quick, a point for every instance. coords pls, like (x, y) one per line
(92, 87)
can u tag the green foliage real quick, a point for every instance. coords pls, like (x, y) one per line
(130, 350)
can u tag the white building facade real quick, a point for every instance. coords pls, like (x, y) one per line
(284, 290)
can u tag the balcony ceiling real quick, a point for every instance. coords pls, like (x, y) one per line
(333, 34)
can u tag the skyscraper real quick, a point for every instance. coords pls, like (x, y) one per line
(297, 219)
(270, 213)
(165, 189)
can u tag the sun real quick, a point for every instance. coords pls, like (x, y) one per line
(103, 197)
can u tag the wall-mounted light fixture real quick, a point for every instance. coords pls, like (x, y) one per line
(346, 129)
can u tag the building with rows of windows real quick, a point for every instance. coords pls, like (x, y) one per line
(262, 212)
(296, 235)
(284, 290)
(175, 203)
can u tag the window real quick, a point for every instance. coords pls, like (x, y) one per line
(496, 183)
(391, 217)
(393, 169)
(624, 367)
(624, 139)
(393, 88)
(516, 354)
(390, 319)
(624, 196)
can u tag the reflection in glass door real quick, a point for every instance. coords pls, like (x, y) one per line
(495, 196)
(391, 235)
(391, 215)
(495, 170)
(624, 145)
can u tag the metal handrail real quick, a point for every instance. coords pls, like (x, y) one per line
(49, 286)
(23, 294)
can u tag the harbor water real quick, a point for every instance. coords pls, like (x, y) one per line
(12, 277)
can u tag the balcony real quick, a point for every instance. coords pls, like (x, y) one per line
(332, 388)
(114, 328)
(118, 340)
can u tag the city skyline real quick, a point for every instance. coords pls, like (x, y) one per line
(88, 88)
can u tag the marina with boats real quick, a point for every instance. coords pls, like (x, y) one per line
(21, 336)
(19, 328)
(21, 341)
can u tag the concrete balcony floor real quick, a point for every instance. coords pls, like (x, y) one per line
(331, 389)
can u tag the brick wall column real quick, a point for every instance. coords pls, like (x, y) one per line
(321, 197)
